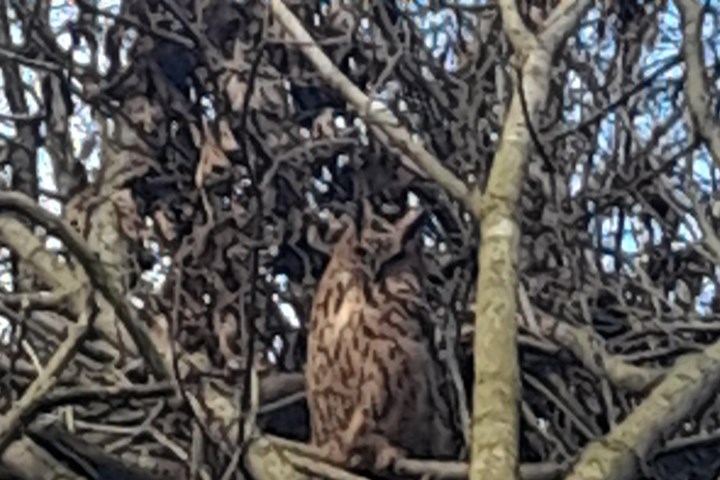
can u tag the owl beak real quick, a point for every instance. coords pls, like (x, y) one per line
(371, 271)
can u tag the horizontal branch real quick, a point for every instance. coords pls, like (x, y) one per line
(104, 393)
(311, 459)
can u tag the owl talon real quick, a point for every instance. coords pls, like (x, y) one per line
(386, 458)
(333, 454)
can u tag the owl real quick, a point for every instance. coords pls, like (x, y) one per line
(374, 385)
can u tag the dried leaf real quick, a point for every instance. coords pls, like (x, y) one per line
(324, 125)
(211, 156)
(235, 90)
(227, 139)
(165, 226)
(77, 210)
(130, 222)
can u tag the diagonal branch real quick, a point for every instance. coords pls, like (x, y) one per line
(588, 347)
(99, 278)
(27, 460)
(697, 87)
(521, 38)
(46, 380)
(378, 115)
(690, 383)
(562, 22)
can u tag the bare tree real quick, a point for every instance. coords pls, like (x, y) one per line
(176, 169)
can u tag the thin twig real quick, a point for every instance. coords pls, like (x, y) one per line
(378, 115)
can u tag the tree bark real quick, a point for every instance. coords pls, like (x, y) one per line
(496, 392)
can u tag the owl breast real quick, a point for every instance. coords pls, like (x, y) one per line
(373, 387)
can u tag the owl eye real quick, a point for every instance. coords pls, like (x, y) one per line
(361, 251)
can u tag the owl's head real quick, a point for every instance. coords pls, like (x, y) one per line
(377, 244)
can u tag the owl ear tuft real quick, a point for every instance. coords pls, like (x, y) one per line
(334, 230)
(342, 227)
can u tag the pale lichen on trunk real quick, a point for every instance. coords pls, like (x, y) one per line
(496, 393)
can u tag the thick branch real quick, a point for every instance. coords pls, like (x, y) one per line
(27, 460)
(692, 381)
(495, 423)
(265, 461)
(495, 396)
(310, 459)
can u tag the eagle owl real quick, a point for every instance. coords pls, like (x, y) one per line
(374, 389)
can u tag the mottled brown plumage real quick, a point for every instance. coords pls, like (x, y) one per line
(374, 388)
